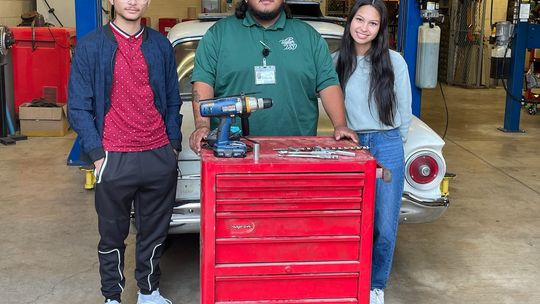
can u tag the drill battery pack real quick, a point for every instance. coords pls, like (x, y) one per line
(236, 149)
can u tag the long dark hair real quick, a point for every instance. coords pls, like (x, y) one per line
(381, 83)
(243, 6)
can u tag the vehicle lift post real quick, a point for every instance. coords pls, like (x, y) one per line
(87, 18)
(527, 36)
(409, 21)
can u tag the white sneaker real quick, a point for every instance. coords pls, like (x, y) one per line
(376, 296)
(109, 301)
(153, 298)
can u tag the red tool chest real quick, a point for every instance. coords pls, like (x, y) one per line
(41, 62)
(286, 229)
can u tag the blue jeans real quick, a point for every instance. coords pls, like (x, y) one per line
(387, 148)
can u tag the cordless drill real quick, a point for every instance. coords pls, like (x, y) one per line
(227, 108)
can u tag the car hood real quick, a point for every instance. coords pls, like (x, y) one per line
(195, 29)
(188, 30)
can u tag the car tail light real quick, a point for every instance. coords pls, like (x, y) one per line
(424, 170)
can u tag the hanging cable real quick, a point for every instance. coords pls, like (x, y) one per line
(491, 15)
(104, 10)
(56, 41)
(445, 109)
(51, 11)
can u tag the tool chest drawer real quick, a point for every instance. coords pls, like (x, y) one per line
(287, 287)
(277, 268)
(287, 249)
(282, 185)
(273, 204)
(287, 223)
(285, 230)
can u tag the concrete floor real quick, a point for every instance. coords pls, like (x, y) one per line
(485, 248)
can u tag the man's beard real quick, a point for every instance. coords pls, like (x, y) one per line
(267, 15)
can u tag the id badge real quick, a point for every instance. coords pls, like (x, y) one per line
(265, 74)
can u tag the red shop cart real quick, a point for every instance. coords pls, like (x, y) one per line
(41, 63)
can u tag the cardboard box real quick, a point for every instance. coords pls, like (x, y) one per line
(43, 121)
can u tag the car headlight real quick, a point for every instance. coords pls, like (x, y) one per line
(424, 170)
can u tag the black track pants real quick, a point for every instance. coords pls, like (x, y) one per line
(148, 180)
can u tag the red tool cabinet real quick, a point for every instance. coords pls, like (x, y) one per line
(41, 62)
(285, 229)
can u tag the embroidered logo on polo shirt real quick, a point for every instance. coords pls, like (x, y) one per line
(288, 44)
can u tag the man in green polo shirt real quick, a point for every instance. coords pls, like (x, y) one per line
(261, 49)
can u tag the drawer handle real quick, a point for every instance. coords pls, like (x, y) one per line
(288, 269)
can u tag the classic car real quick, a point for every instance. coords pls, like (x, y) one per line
(422, 199)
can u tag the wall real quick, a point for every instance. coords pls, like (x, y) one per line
(11, 10)
(499, 14)
(170, 9)
(10, 15)
(178, 9)
(64, 10)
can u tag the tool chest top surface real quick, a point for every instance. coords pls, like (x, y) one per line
(270, 146)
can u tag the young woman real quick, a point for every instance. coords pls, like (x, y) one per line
(378, 104)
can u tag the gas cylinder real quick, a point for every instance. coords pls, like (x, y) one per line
(427, 55)
(501, 53)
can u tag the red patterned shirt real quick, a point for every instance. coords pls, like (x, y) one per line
(132, 123)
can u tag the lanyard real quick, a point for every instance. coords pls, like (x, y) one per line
(265, 52)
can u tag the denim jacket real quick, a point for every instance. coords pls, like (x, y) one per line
(89, 89)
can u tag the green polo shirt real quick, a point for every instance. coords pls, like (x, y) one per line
(229, 51)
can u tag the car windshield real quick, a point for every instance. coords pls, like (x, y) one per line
(185, 57)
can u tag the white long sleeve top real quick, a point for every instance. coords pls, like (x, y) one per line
(363, 118)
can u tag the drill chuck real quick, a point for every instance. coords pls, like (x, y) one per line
(233, 106)
(253, 104)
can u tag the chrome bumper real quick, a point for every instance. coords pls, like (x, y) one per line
(186, 218)
(417, 211)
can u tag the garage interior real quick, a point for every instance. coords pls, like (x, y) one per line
(484, 249)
